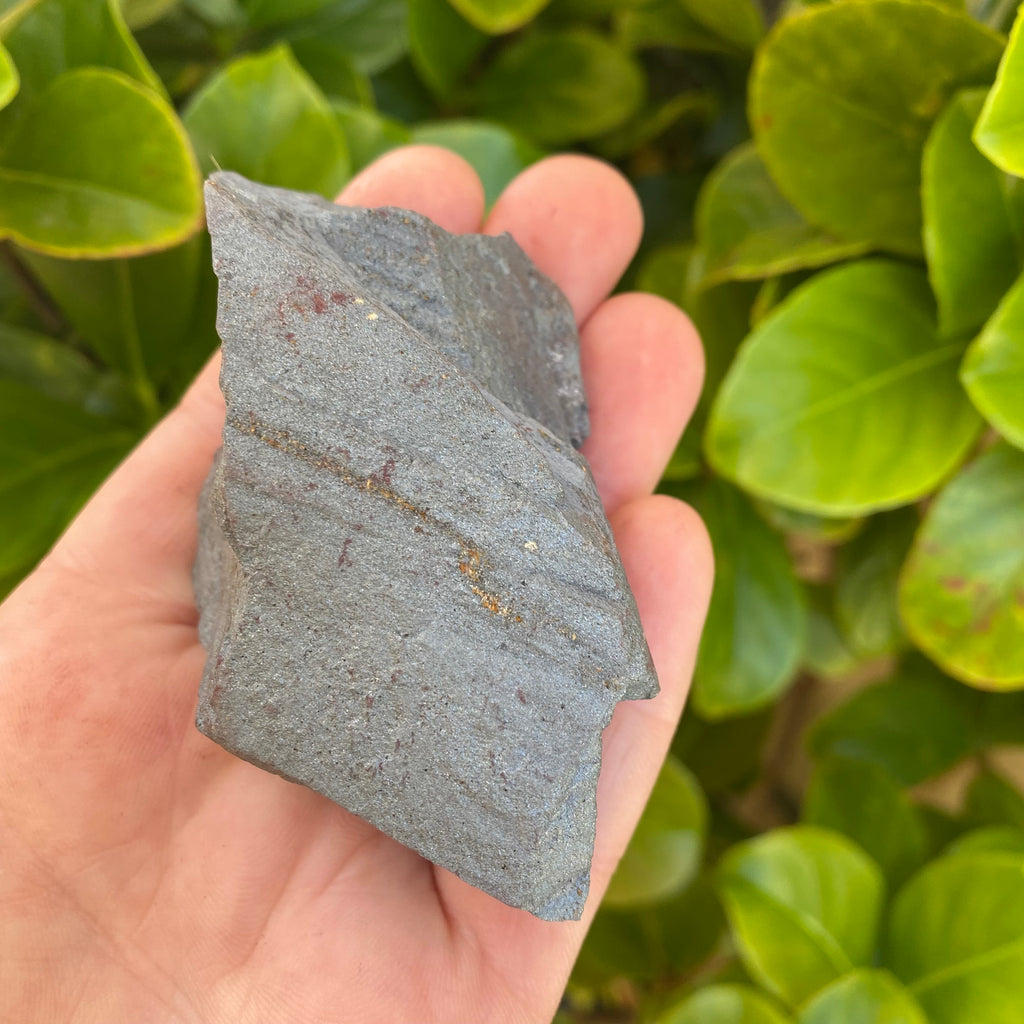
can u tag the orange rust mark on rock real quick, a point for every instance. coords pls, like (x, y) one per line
(471, 558)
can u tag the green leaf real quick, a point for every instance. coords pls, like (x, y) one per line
(956, 937)
(737, 21)
(367, 133)
(749, 231)
(866, 580)
(828, 530)
(754, 636)
(993, 369)
(555, 87)
(8, 78)
(962, 593)
(496, 154)
(864, 802)
(671, 937)
(333, 71)
(99, 167)
(723, 755)
(131, 313)
(803, 904)
(55, 36)
(665, 852)
(999, 133)
(817, 393)
(260, 13)
(992, 800)
(827, 655)
(498, 16)
(914, 725)
(140, 13)
(997, 839)
(665, 23)
(863, 997)
(442, 44)
(725, 1004)
(262, 116)
(841, 115)
(370, 34)
(52, 457)
(973, 220)
(56, 370)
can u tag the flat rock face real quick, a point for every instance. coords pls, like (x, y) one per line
(409, 594)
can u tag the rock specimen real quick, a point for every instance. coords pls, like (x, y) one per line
(409, 593)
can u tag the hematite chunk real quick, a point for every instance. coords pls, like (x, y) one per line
(409, 593)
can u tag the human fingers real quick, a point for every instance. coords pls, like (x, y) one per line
(578, 219)
(139, 531)
(643, 365)
(670, 566)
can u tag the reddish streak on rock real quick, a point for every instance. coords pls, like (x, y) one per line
(340, 298)
(343, 558)
(319, 303)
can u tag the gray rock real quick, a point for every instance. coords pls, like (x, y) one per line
(409, 593)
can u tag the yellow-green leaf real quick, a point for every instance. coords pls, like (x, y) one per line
(99, 167)
(962, 592)
(999, 132)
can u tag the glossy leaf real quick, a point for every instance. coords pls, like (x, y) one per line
(1000, 129)
(664, 854)
(863, 802)
(496, 154)
(52, 457)
(849, 361)
(803, 905)
(962, 592)
(866, 578)
(725, 1004)
(367, 133)
(973, 220)
(841, 115)
(993, 369)
(554, 87)
(263, 117)
(54, 36)
(100, 167)
(497, 16)
(442, 44)
(8, 78)
(863, 997)
(748, 230)
(956, 937)
(754, 636)
(914, 725)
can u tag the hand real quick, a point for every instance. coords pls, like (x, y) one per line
(145, 874)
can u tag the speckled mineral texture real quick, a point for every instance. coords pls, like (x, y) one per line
(409, 593)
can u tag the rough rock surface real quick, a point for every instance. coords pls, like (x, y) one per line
(409, 593)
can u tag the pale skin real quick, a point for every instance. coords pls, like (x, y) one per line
(146, 875)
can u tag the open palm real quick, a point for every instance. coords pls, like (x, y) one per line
(147, 875)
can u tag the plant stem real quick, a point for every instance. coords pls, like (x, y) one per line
(34, 292)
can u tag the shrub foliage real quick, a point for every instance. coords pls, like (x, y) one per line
(833, 193)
